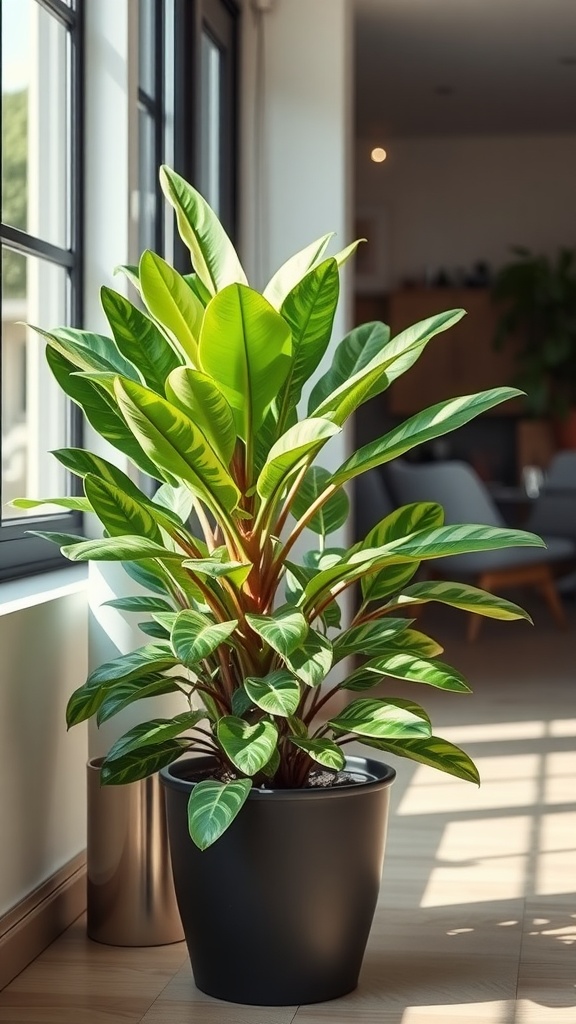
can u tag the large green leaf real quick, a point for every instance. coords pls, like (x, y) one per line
(335, 510)
(137, 603)
(214, 568)
(370, 639)
(146, 661)
(197, 395)
(118, 549)
(412, 641)
(309, 309)
(121, 695)
(155, 732)
(195, 636)
(245, 346)
(118, 512)
(432, 751)
(249, 747)
(390, 580)
(459, 595)
(139, 339)
(284, 631)
(73, 504)
(402, 665)
(173, 441)
(353, 353)
(293, 270)
(392, 718)
(212, 808)
(278, 693)
(172, 303)
(88, 351)
(139, 764)
(325, 752)
(100, 412)
(213, 256)
(290, 453)
(312, 660)
(395, 357)
(424, 426)
(400, 523)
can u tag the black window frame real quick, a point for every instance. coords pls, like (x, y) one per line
(22, 554)
(221, 19)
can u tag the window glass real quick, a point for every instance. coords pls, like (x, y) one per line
(34, 410)
(210, 121)
(34, 117)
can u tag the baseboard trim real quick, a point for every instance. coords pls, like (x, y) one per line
(27, 929)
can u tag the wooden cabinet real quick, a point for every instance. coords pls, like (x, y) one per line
(458, 361)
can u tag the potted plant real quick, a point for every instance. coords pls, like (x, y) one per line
(537, 299)
(277, 837)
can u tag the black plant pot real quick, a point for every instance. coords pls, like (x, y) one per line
(278, 911)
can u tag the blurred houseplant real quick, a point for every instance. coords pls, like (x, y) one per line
(536, 295)
(200, 393)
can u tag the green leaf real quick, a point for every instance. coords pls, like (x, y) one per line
(278, 693)
(176, 444)
(236, 572)
(118, 512)
(196, 395)
(212, 808)
(118, 549)
(309, 309)
(156, 732)
(178, 501)
(245, 346)
(293, 270)
(284, 631)
(139, 764)
(139, 339)
(369, 639)
(100, 412)
(312, 660)
(396, 357)
(139, 604)
(412, 641)
(195, 636)
(172, 303)
(88, 351)
(249, 747)
(402, 665)
(459, 595)
(333, 513)
(290, 453)
(76, 504)
(460, 539)
(392, 718)
(124, 694)
(424, 426)
(214, 258)
(325, 752)
(433, 751)
(390, 580)
(155, 630)
(131, 274)
(354, 352)
(200, 290)
(146, 661)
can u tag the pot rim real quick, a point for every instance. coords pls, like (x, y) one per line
(377, 775)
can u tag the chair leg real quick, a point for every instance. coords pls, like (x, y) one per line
(550, 594)
(474, 623)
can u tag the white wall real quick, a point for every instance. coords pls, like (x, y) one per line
(42, 784)
(450, 202)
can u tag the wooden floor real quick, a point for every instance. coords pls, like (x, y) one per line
(477, 917)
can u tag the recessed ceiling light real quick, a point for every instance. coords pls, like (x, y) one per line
(378, 155)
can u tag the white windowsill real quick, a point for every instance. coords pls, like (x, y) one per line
(48, 586)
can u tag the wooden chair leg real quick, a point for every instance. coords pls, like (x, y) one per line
(550, 594)
(474, 623)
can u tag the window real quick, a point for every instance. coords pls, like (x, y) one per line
(41, 262)
(151, 122)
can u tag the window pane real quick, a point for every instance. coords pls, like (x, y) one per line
(147, 172)
(34, 411)
(210, 148)
(34, 115)
(146, 33)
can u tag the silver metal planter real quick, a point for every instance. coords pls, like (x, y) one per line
(130, 894)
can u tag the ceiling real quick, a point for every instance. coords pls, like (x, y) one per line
(475, 67)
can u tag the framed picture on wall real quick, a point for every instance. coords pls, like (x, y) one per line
(371, 263)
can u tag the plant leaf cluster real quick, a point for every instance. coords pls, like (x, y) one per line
(198, 387)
